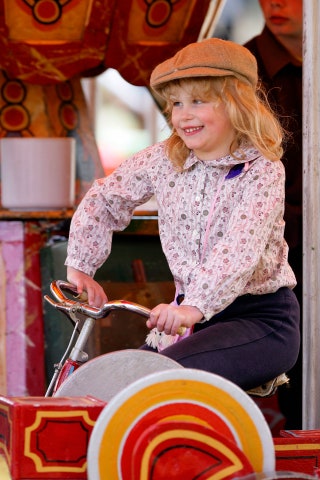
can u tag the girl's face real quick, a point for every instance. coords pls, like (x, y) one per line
(203, 125)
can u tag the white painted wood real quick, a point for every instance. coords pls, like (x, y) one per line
(211, 19)
(311, 216)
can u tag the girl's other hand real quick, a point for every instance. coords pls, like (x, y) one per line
(84, 283)
(169, 318)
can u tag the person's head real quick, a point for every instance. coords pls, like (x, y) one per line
(283, 17)
(221, 77)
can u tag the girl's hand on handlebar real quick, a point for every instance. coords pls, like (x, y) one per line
(84, 283)
(169, 318)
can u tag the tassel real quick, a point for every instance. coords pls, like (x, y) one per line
(160, 340)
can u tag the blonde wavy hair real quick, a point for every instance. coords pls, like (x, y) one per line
(249, 111)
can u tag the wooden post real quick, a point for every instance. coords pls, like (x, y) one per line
(311, 217)
(3, 345)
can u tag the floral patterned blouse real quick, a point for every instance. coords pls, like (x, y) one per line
(220, 223)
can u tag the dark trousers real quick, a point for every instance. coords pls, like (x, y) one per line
(290, 396)
(253, 340)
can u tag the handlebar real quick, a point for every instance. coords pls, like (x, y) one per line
(71, 307)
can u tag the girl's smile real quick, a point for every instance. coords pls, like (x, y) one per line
(202, 124)
(191, 131)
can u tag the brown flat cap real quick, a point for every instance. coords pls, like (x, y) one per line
(212, 57)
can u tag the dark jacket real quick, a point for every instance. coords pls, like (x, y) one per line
(281, 75)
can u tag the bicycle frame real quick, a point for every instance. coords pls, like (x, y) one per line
(75, 356)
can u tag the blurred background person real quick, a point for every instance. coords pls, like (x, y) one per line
(278, 50)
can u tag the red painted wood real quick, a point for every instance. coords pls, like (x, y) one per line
(34, 239)
(47, 438)
(298, 451)
(183, 449)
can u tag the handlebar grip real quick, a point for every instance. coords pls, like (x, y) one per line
(67, 305)
(58, 286)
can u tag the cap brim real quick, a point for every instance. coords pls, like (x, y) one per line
(190, 72)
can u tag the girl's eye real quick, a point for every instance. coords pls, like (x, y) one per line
(176, 103)
(197, 101)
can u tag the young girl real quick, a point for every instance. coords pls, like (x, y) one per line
(219, 185)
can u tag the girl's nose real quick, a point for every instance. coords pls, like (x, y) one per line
(186, 113)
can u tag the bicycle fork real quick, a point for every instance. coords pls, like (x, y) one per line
(69, 363)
